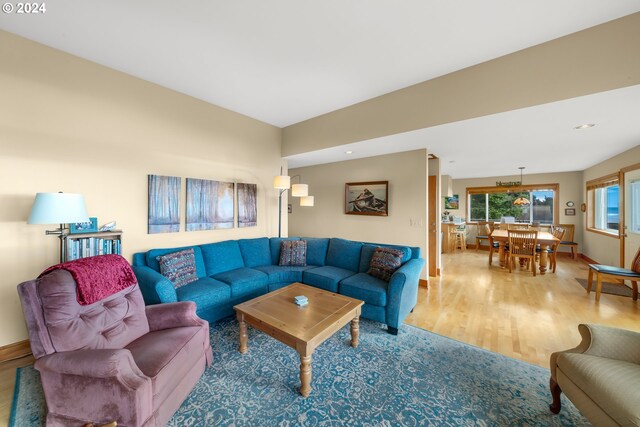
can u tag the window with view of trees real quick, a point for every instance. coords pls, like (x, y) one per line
(491, 204)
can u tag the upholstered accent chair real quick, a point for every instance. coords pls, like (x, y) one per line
(114, 359)
(600, 376)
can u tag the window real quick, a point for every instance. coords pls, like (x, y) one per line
(493, 203)
(635, 206)
(603, 205)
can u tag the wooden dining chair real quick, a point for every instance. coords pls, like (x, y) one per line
(617, 273)
(568, 237)
(517, 226)
(522, 244)
(558, 233)
(481, 233)
(493, 246)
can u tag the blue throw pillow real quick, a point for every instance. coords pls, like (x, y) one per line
(179, 267)
(384, 262)
(293, 253)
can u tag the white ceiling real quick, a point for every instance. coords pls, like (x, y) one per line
(284, 61)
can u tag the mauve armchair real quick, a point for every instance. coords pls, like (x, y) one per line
(114, 359)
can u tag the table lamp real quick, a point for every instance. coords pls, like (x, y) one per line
(58, 208)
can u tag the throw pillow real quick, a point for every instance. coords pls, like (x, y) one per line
(179, 267)
(293, 253)
(384, 262)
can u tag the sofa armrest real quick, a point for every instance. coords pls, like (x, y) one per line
(604, 341)
(98, 364)
(402, 292)
(154, 286)
(173, 315)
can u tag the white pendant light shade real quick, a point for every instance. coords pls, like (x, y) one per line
(299, 190)
(306, 201)
(58, 208)
(282, 182)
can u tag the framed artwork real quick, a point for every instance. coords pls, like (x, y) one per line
(84, 227)
(570, 211)
(366, 198)
(209, 205)
(164, 199)
(452, 202)
(247, 205)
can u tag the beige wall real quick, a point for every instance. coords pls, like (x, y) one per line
(70, 125)
(570, 190)
(406, 223)
(598, 247)
(600, 58)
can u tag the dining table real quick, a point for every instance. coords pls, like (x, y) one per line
(545, 240)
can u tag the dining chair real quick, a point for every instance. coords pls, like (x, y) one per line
(517, 226)
(618, 273)
(481, 233)
(568, 237)
(493, 246)
(522, 244)
(558, 233)
(460, 237)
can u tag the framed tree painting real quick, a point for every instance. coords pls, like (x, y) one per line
(209, 205)
(164, 198)
(366, 198)
(452, 202)
(247, 205)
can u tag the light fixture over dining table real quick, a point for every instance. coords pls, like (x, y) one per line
(521, 201)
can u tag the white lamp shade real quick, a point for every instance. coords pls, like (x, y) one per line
(299, 190)
(282, 182)
(58, 208)
(306, 201)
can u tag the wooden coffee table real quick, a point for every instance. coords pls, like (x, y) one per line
(301, 328)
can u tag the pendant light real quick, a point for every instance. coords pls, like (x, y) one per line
(521, 201)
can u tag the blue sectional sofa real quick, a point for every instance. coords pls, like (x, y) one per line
(234, 271)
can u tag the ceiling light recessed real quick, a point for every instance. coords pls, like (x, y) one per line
(585, 126)
(348, 152)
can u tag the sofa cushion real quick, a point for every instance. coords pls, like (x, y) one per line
(166, 356)
(244, 281)
(367, 288)
(152, 261)
(255, 252)
(280, 274)
(326, 277)
(205, 292)
(367, 253)
(274, 245)
(221, 256)
(317, 250)
(384, 262)
(293, 253)
(344, 254)
(612, 384)
(179, 267)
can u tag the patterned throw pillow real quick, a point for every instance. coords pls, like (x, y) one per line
(293, 253)
(384, 262)
(179, 267)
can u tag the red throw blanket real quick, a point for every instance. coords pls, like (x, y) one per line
(97, 277)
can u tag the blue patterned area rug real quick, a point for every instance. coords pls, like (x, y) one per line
(416, 378)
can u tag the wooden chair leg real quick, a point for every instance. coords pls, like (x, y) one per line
(589, 281)
(533, 265)
(634, 287)
(598, 286)
(573, 252)
(509, 260)
(556, 404)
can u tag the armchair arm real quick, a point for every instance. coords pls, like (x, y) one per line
(173, 315)
(96, 385)
(604, 341)
(99, 364)
(154, 286)
(402, 292)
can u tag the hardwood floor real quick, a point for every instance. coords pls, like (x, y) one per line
(516, 314)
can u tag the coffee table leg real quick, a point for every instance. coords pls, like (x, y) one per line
(243, 335)
(355, 331)
(305, 375)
